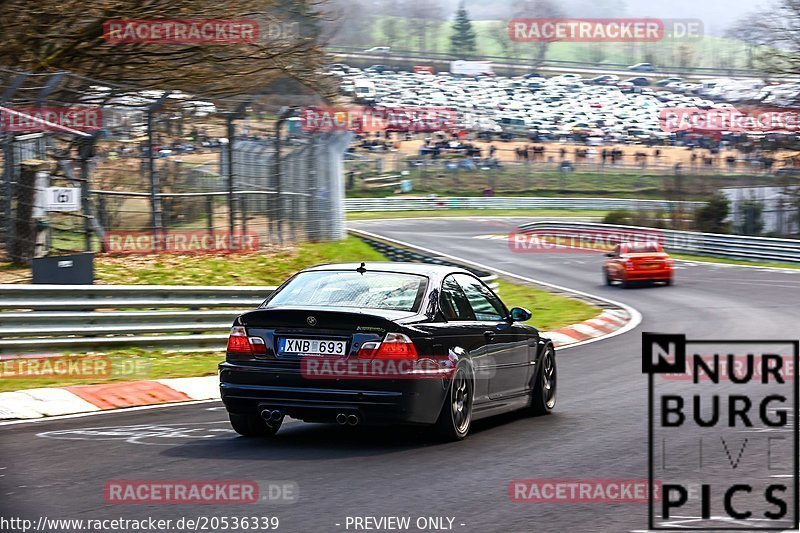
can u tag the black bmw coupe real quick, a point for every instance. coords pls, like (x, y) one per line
(384, 343)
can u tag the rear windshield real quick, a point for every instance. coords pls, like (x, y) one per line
(643, 247)
(371, 290)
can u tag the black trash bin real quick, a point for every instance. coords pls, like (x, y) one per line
(75, 269)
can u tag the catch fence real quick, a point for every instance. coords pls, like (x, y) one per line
(159, 163)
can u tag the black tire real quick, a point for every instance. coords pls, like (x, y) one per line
(625, 284)
(668, 283)
(543, 395)
(252, 425)
(609, 281)
(455, 418)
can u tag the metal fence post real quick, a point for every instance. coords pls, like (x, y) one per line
(278, 204)
(231, 133)
(311, 189)
(151, 170)
(231, 200)
(8, 166)
(155, 204)
(86, 152)
(284, 115)
(210, 215)
(8, 188)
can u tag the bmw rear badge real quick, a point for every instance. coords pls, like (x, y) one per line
(311, 321)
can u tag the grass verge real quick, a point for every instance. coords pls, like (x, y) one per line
(124, 364)
(549, 311)
(231, 269)
(727, 261)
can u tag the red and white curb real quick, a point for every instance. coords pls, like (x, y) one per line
(609, 321)
(53, 401)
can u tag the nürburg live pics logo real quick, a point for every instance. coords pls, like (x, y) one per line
(722, 433)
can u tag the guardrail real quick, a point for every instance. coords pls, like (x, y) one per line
(46, 319)
(710, 244)
(50, 319)
(397, 54)
(508, 202)
(85, 297)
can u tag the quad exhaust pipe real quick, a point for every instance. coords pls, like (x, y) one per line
(343, 419)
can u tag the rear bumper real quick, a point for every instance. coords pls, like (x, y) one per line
(648, 275)
(250, 389)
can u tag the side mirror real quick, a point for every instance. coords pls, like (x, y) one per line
(520, 314)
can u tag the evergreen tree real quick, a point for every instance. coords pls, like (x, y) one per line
(462, 42)
(710, 218)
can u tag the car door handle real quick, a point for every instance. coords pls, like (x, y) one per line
(489, 335)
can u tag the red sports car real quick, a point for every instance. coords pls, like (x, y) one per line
(630, 262)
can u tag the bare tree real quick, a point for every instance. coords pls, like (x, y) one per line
(649, 53)
(686, 56)
(750, 34)
(391, 30)
(424, 16)
(538, 9)
(68, 35)
(498, 32)
(773, 37)
(352, 23)
(597, 52)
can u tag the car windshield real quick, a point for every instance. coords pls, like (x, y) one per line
(370, 290)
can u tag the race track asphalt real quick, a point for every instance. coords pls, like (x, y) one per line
(58, 468)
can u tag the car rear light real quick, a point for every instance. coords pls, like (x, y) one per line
(240, 343)
(258, 346)
(368, 350)
(394, 346)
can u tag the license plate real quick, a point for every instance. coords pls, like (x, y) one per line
(650, 265)
(311, 347)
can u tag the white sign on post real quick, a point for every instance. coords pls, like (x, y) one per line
(62, 199)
